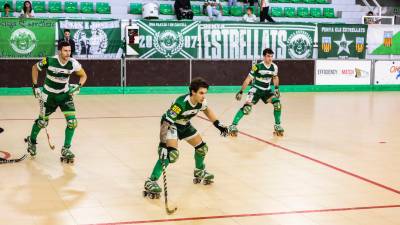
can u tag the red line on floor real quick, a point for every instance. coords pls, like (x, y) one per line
(323, 163)
(7, 155)
(251, 215)
(318, 161)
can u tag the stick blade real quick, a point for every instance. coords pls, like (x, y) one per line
(171, 211)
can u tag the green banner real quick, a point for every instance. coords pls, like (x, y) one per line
(94, 38)
(235, 40)
(342, 41)
(168, 39)
(224, 40)
(25, 38)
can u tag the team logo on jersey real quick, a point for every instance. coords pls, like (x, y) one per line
(93, 43)
(300, 45)
(254, 68)
(23, 41)
(168, 42)
(43, 62)
(172, 114)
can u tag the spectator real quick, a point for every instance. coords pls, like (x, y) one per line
(232, 2)
(249, 16)
(27, 11)
(211, 6)
(264, 12)
(7, 12)
(67, 38)
(371, 20)
(251, 2)
(183, 9)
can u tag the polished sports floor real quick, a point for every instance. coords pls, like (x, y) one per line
(338, 163)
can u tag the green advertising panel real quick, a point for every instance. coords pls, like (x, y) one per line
(227, 40)
(26, 38)
(168, 39)
(342, 41)
(94, 38)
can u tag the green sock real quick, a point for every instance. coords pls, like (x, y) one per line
(69, 131)
(155, 175)
(199, 160)
(238, 117)
(277, 116)
(35, 132)
(277, 110)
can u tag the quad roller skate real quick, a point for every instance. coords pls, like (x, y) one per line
(31, 146)
(233, 131)
(66, 155)
(203, 175)
(151, 189)
(278, 130)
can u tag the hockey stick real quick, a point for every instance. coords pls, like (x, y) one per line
(4, 161)
(43, 114)
(169, 211)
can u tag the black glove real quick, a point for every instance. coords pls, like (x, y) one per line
(239, 95)
(277, 92)
(222, 128)
(36, 90)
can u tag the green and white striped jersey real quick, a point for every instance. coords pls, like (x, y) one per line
(182, 110)
(57, 74)
(262, 75)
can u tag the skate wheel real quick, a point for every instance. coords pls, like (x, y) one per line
(207, 182)
(152, 196)
(196, 180)
(158, 196)
(144, 194)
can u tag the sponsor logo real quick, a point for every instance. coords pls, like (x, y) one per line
(327, 72)
(395, 70)
(361, 73)
(176, 109)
